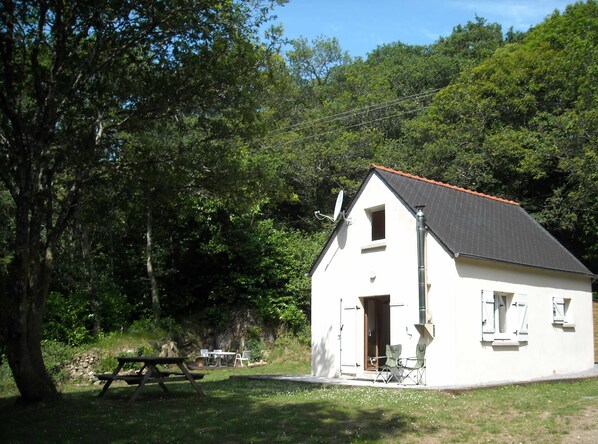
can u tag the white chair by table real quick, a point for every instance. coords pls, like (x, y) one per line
(204, 355)
(243, 357)
(217, 357)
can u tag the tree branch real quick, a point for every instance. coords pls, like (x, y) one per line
(34, 59)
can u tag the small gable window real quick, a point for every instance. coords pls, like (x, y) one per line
(504, 317)
(378, 218)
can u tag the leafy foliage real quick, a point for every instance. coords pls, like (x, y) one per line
(78, 80)
(522, 125)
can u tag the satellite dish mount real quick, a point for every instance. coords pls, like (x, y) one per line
(337, 210)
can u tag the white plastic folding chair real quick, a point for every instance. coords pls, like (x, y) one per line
(204, 355)
(242, 357)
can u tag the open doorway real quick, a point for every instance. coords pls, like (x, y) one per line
(377, 328)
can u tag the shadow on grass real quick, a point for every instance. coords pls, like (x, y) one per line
(232, 411)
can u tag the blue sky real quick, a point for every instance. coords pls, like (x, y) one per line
(362, 25)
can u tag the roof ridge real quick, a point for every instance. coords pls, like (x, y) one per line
(434, 182)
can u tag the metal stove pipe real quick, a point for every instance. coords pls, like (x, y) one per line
(421, 261)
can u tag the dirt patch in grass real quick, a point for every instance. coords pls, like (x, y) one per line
(584, 426)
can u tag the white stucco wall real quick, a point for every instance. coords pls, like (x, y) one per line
(354, 268)
(550, 348)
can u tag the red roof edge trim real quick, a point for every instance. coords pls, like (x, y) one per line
(423, 179)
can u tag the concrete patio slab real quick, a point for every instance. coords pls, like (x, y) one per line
(346, 381)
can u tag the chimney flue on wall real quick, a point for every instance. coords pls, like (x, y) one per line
(421, 261)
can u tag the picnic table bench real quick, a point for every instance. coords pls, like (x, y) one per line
(136, 379)
(150, 374)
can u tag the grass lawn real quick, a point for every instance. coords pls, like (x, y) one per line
(264, 411)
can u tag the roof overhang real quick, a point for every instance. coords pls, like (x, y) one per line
(529, 266)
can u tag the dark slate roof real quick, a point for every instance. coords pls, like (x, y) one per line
(470, 224)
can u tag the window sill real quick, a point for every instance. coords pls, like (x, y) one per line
(375, 245)
(564, 324)
(505, 343)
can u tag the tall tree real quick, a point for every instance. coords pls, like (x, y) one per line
(523, 124)
(345, 113)
(72, 75)
(315, 61)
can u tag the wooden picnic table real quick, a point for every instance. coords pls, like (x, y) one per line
(150, 374)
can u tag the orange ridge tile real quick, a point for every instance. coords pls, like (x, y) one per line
(423, 179)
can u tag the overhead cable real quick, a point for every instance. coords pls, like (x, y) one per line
(356, 125)
(356, 112)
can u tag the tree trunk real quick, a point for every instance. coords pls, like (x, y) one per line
(150, 268)
(24, 354)
(24, 310)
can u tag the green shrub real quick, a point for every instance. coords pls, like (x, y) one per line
(70, 319)
(142, 326)
(304, 335)
(115, 310)
(289, 347)
(7, 383)
(67, 319)
(107, 363)
(56, 357)
(171, 328)
(254, 344)
(149, 349)
(142, 338)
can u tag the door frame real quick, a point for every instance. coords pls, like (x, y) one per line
(382, 331)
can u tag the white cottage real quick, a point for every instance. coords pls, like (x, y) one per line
(490, 292)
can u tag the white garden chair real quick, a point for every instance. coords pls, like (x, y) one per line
(204, 355)
(242, 357)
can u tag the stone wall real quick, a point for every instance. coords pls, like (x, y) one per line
(83, 367)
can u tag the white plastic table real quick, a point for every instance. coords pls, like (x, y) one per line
(221, 354)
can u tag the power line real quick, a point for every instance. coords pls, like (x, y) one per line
(356, 112)
(367, 109)
(356, 125)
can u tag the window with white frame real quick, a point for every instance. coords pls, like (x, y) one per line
(561, 312)
(504, 317)
(377, 219)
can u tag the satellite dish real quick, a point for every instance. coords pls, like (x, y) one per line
(339, 204)
(337, 210)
